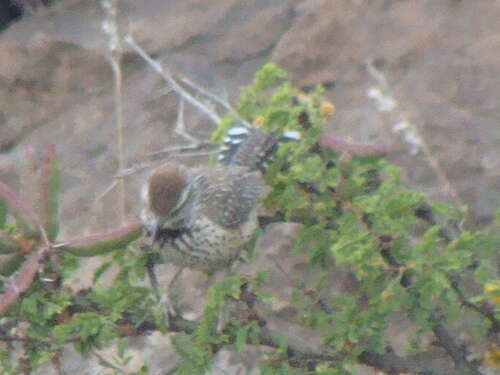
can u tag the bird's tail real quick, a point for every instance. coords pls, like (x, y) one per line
(251, 147)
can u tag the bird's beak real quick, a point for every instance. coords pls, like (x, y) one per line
(152, 231)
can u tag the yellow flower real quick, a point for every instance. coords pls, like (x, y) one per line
(259, 120)
(492, 291)
(492, 357)
(492, 286)
(326, 108)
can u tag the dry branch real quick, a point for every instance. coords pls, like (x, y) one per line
(171, 82)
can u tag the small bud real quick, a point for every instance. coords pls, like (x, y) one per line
(492, 357)
(326, 109)
(259, 120)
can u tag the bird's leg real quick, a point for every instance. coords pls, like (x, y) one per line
(163, 236)
(166, 300)
(153, 280)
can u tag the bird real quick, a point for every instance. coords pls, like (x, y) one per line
(201, 217)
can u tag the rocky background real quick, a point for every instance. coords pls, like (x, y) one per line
(419, 77)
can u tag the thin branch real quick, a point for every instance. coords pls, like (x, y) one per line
(180, 127)
(299, 358)
(107, 190)
(119, 126)
(5, 338)
(490, 315)
(172, 83)
(181, 149)
(110, 26)
(150, 271)
(393, 364)
(195, 154)
(457, 353)
(450, 233)
(156, 157)
(217, 99)
(385, 95)
(330, 142)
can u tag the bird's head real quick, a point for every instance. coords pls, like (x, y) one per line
(163, 195)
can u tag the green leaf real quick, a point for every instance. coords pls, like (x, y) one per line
(39, 357)
(241, 338)
(89, 328)
(99, 271)
(267, 76)
(25, 218)
(7, 244)
(3, 213)
(103, 243)
(69, 263)
(484, 273)
(11, 264)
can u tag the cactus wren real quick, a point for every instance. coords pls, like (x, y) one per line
(201, 217)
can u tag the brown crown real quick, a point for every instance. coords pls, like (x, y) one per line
(165, 187)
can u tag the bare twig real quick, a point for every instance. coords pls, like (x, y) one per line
(156, 157)
(457, 353)
(180, 127)
(388, 103)
(5, 338)
(391, 363)
(181, 149)
(490, 315)
(217, 99)
(337, 144)
(107, 190)
(172, 83)
(110, 26)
